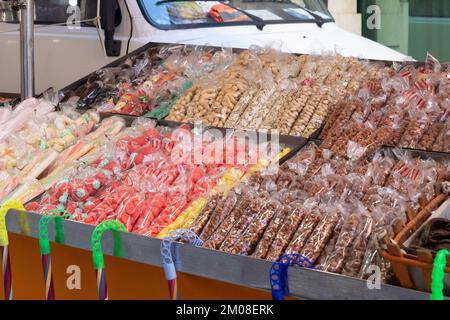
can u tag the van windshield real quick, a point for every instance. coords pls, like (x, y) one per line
(178, 14)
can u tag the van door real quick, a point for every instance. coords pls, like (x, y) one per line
(65, 49)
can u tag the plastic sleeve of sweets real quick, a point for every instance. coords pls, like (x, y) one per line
(319, 238)
(271, 232)
(249, 212)
(247, 243)
(335, 262)
(201, 220)
(286, 233)
(303, 233)
(223, 209)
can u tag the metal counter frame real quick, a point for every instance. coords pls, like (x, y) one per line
(235, 269)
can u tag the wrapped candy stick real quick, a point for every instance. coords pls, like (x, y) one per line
(39, 164)
(44, 246)
(26, 191)
(168, 263)
(6, 270)
(97, 253)
(4, 242)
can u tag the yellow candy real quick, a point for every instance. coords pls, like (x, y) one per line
(225, 184)
(179, 223)
(10, 204)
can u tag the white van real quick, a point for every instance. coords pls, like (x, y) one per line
(65, 53)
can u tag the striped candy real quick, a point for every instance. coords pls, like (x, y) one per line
(48, 278)
(101, 284)
(7, 276)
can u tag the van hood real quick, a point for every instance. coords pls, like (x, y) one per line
(303, 38)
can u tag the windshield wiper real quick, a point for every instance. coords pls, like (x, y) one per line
(259, 23)
(317, 19)
(320, 21)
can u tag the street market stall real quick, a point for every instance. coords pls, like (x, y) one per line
(325, 162)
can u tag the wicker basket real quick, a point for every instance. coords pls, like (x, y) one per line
(414, 271)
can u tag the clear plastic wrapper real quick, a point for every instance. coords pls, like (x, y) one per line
(314, 168)
(271, 232)
(304, 231)
(178, 111)
(88, 93)
(446, 133)
(176, 206)
(338, 147)
(8, 182)
(418, 125)
(260, 99)
(200, 106)
(429, 138)
(271, 118)
(5, 113)
(328, 250)
(306, 114)
(133, 102)
(107, 208)
(247, 243)
(294, 106)
(379, 138)
(39, 164)
(249, 212)
(286, 232)
(373, 257)
(23, 113)
(380, 168)
(303, 159)
(234, 85)
(222, 211)
(333, 118)
(239, 109)
(155, 206)
(441, 144)
(26, 191)
(204, 216)
(320, 114)
(336, 125)
(220, 234)
(264, 110)
(336, 261)
(256, 180)
(355, 259)
(354, 150)
(130, 210)
(285, 179)
(320, 236)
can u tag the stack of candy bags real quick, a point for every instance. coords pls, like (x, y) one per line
(149, 82)
(412, 107)
(146, 179)
(38, 143)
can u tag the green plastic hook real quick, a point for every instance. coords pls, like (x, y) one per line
(437, 275)
(57, 215)
(96, 241)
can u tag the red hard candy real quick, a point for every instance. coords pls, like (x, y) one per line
(46, 208)
(71, 207)
(33, 206)
(197, 173)
(152, 133)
